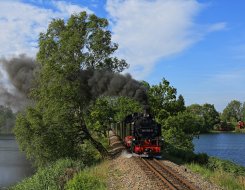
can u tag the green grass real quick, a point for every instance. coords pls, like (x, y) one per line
(225, 165)
(224, 173)
(224, 179)
(67, 174)
(94, 178)
(53, 177)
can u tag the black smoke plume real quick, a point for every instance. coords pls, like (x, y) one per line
(98, 83)
(20, 71)
(94, 83)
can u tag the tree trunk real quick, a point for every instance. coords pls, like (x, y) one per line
(104, 153)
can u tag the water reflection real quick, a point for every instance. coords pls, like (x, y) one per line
(13, 164)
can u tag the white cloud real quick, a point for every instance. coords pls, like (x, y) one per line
(70, 8)
(233, 78)
(21, 23)
(217, 27)
(148, 31)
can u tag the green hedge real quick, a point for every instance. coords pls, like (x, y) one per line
(53, 177)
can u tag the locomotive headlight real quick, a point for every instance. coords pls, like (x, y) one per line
(133, 139)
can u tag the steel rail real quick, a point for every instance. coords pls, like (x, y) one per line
(173, 180)
(181, 179)
(159, 175)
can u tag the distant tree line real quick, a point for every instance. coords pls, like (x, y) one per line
(213, 120)
(232, 114)
(207, 114)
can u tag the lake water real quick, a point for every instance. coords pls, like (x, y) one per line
(229, 146)
(13, 164)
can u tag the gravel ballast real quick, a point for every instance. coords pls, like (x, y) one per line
(125, 173)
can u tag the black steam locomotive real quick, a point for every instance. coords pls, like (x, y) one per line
(141, 134)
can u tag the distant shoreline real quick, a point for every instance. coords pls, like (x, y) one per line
(215, 132)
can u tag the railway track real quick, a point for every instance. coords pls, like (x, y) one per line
(168, 178)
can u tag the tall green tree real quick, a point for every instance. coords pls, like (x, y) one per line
(163, 101)
(100, 116)
(232, 112)
(55, 127)
(179, 130)
(207, 113)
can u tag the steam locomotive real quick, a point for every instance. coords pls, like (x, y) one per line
(140, 134)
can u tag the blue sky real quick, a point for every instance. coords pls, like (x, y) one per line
(198, 45)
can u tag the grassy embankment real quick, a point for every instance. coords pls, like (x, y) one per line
(89, 172)
(224, 179)
(223, 173)
(67, 174)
